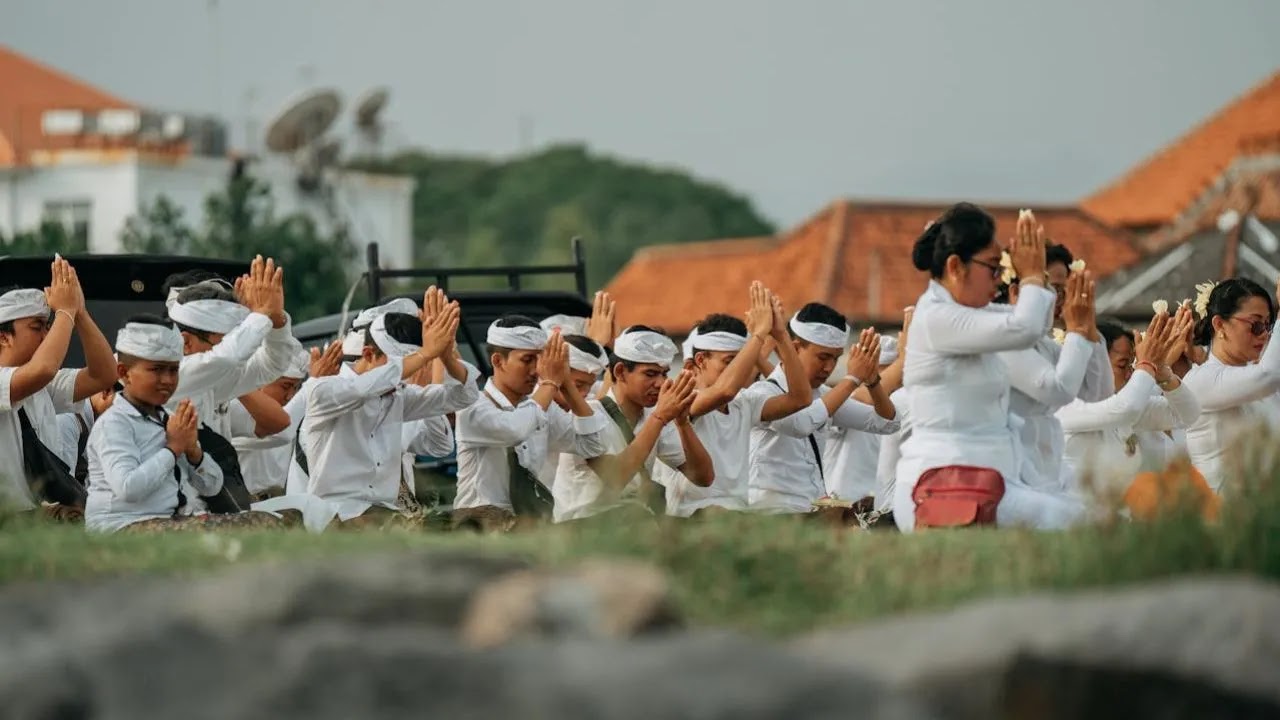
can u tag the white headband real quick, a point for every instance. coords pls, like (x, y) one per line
(718, 342)
(353, 343)
(686, 347)
(176, 291)
(17, 304)
(387, 344)
(150, 342)
(567, 324)
(820, 333)
(368, 315)
(645, 347)
(216, 316)
(888, 350)
(298, 366)
(516, 338)
(583, 362)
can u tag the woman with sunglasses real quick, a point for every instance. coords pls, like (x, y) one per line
(963, 448)
(1237, 383)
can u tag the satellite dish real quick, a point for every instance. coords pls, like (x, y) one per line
(303, 121)
(369, 107)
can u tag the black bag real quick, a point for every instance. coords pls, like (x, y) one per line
(47, 475)
(529, 497)
(234, 496)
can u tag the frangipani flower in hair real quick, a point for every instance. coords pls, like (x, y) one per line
(1077, 266)
(1203, 291)
(1160, 307)
(1007, 273)
(1059, 336)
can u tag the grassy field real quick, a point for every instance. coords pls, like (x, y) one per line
(760, 574)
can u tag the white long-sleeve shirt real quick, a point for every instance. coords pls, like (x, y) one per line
(430, 436)
(1098, 445)
(131, 473)
(42, 409)
(1233, 400)
(959, 387)
(785, 476)
(580, 493)
(492, 425)
(264, 462)
(891, 452)
(1045, 378)
(726, 435)
(352, 432)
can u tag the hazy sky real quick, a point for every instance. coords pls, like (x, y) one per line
(795, 102)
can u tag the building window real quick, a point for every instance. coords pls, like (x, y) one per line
(73, 216)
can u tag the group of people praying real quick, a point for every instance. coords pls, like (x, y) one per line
(1003, 401)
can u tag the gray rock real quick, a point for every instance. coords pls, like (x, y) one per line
(338, 671)
(1201, 648)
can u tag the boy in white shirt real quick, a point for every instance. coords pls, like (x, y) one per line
(35, 331)
(352, 433)
(140, 458)
(74, 428)
(787, 473)
(587, 362)
(650, 421)
(723, 352)
(505, 437)
(264, 452)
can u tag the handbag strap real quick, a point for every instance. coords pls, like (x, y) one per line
(48, 477)
(813, 442)
(529, 497)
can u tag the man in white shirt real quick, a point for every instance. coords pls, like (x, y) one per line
(264, 453)
(354, 341)
(352, 433)
(723, 351)
(852, 456)
(231, 348)
(787, 473)
(649, 421)
(587, 362)
(504, 438)
(35, 331)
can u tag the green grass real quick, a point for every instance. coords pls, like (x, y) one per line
(760, 574)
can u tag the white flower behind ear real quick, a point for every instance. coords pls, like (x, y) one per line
(1059, 336)
(1077, 266)
(1007, 274)
(1203, 291)
(1160, 307)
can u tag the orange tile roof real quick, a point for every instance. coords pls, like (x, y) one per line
(30, 88)
(1254, 190)
(1156, 191)
(853, 255)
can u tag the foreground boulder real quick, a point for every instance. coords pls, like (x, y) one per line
(1200, 648)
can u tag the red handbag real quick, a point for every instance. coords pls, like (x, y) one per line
(957, 496)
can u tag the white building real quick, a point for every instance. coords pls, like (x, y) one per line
(72, 154)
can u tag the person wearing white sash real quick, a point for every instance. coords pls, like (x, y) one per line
(1102, 452)
(35, 331)
(1238, 382)
(587, 363)
(505, 437)
(352, 429)
(957, 385)
(787, 473)
(852, 457)
(649, 422)
(140, 457)
(724, 351)
(264, 451)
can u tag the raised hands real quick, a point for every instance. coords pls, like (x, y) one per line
(760, 313)
(675, 398)
(864, 356)
(779, 330)
(262, 290)
(440, 333)
(1183, 324)
(1156, 343)
(553, 361)
(327, 361)
(64, 293)
(1077, 308)
(1027, 249)
(602, 326)
(180, 430)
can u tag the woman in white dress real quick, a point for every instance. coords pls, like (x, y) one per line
(962, 447)
(1103, 453)
(1239, 379)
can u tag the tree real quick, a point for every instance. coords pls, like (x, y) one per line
(478, 211)
(240, 223)
(48, 239)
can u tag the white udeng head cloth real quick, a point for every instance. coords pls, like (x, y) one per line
(387, 344)
(353, 343)
(584, 362)
(298, 366)
(26, 303)
(150, 342)
(820, 333)
(523, 337)
(215, 316)
(717, 341)
(174, 292)
(568, 324)
(645, 347)
(888, 350)
(368, 315)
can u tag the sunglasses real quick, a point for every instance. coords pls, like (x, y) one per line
(1257, 328)
(995, 269)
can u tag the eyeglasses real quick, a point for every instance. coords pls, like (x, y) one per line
(1257, 328)
(995, 269)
